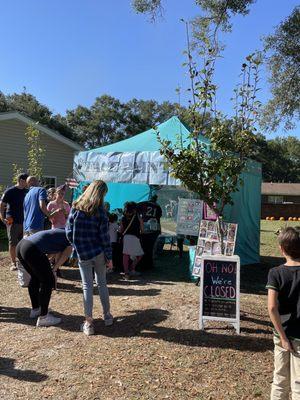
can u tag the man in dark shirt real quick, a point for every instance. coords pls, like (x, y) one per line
(12, 215)
(151, 213)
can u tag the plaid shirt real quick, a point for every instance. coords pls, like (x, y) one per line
(89, 234)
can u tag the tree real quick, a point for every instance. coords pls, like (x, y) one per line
(280, 158)
(36, 151)
(212, 168)
(283, 60)
(216, 11)
(109, 120)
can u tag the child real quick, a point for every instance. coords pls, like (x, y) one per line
(284, 310)
(87, 231)
(113, 234)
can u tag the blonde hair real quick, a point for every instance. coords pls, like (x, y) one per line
(92, 198)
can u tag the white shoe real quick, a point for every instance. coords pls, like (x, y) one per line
(13, 267)
(108, 320)
(87, 329)
(48, 320)
(35, 312)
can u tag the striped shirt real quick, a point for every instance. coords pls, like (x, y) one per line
(89, 235)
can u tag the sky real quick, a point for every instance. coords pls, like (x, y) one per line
(68, 52)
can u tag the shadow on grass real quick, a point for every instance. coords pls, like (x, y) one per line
(113, 291)
(170, 267)
(3, 245)
(144, 323)
(7, 368)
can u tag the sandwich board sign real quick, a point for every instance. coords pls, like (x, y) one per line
(220, 290)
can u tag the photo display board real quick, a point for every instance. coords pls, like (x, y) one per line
(189, 216)
(208, 213)
(209, 241)
(220, 290)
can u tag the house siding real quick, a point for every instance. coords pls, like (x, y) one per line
(58, 159)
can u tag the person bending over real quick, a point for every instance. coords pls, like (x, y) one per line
(33, 252)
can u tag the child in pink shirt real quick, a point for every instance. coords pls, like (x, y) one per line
(59, 209)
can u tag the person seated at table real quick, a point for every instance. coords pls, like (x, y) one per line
(33, 252)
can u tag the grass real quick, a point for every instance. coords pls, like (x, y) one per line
(153, 351)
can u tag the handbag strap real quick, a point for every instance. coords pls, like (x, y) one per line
(129, 225)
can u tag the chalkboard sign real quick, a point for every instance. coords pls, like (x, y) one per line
(220, 290)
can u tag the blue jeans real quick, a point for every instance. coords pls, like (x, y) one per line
(86, 272)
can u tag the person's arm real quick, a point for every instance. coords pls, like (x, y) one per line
(43, 207)
(2, 211)
(121, 228)
(66, 209)
(69, 227)
(275, 318)
(105, 239)
(141, 225)
(62, 257)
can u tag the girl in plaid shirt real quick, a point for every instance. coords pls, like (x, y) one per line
(87, 231)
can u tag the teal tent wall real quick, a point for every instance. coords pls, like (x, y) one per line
(246, 213)
(119, 193)
(246, 209)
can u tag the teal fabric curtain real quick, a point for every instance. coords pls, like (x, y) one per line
(246, 212)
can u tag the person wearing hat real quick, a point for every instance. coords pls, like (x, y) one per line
(12, 215)
(59, 209)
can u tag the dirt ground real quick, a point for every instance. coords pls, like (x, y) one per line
(153, 351)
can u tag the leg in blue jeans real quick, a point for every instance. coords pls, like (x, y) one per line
(86, 272)
(100, 272)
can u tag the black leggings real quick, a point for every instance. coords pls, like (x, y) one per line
(42, 279)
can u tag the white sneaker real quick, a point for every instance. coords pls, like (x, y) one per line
(108, 320)
(13, 267)
(35, 312)
(48, 320)
(87, 329)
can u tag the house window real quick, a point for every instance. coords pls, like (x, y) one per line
(48, 181)
(275, 199)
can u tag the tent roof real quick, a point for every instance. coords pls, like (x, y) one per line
(147, 141)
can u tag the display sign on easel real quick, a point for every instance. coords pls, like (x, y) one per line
(220, 290)
(189, 216)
